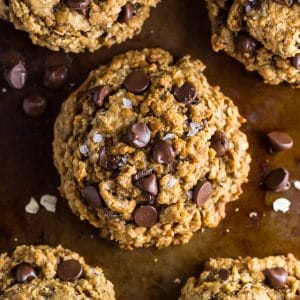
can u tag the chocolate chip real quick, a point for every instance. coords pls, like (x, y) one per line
(127, 13)
(108, 162)
(78, 4)
(55, 77)
(218, 274)
(147, 183)
(219, 143)
(252, 4)
(138, 135)
(280, 140)
(244, 43)
(100, 94)
(285, 2)
(277, 180)
(202, 192)
(137, 81)
(151, 199)
(34, 105)
(276, 277)
(92, 197)
(25, 272)
(186, 93)
(296, 61)
(163, 152)
(145, 215)
(69, 270)
(16, 76)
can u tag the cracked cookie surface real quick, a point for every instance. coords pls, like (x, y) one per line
(76, 25)
(270, 278)
(42, 272)
(148, 151)
(264, 35)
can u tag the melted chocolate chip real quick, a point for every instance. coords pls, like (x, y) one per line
(92, 197)
(78, 4)
(69, 270)
(137, 82)
(277, 180)
(219, 143)
(55, 77)
(280, 140)
(276, 277)
(244, 43)
(16, 76)
(24, 273)
(138, 135)
(34, 105)
(100, 94)
(128, 11)
(202, 192)
(163, 152)
(145, 215)
(186, 93)
(147, 183)
(108, 162)
(296, 61)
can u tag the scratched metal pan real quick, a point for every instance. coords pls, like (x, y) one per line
(26, 167)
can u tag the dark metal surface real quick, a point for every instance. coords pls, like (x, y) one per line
(26, 167)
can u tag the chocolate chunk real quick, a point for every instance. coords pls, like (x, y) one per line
(252, 4)
(55, 77)
(145, 215)
(100, 94)
(202, 192)
(244, 43)
(296, 61)
(16, 76)
(25, 272)
(219, 143)
(34, 105)
(147, 183)
(285, 2)
(107, 161)
(128, 11)
(137, 81)
(69, 270)
(163, 152)
(276, 277)
(138, 135)
(277, 180)
(78, 4)
(219, 274)
(92, 197)
(186, 93)
(280, 140)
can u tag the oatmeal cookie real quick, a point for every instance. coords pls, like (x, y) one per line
(76, 25)
(42, 272)
(270, 278)
(148, 151)
(262, 34)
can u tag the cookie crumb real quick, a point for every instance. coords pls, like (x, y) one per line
(177, 280)
(253, 214)
(32, 207)
(297, 185)
(49, 202)
(282, 205)
(97, 138)
(84, 150)
(127, 103)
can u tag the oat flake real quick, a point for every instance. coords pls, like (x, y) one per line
(168, 136)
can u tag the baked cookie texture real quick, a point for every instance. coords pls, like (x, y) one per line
(148, 151)
(270, 278)
(76, 25)
(264, 35)
(42, 272)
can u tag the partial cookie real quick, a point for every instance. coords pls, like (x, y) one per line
(262, 34)
(148, 151)
(270, 278)
(42, 272)
(76, 25)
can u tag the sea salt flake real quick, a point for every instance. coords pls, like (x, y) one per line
(49, 202)
(227, 230)
(171, 182)
(194, 128)
(84, 150)
(97, 138)
(237, 209)
(281, 204)
(123, 161)
(127, 103)
(168, 136)
(155, 260)
(177, 280)
(297, 185)
(32, 207)
(190, 195)
(253, 214)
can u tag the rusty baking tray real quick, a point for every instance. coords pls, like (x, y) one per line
(26, 167)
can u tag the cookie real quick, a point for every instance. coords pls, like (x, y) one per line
(42, 272)
(76, 25)
(148, 151)
(273, 277)
(261, 34)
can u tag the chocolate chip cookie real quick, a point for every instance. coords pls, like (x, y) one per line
(76, 25)
(274, 277)
(42, 272)
(148, 151)
(262, 34)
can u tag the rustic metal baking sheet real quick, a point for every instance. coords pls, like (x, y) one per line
(26, 167)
